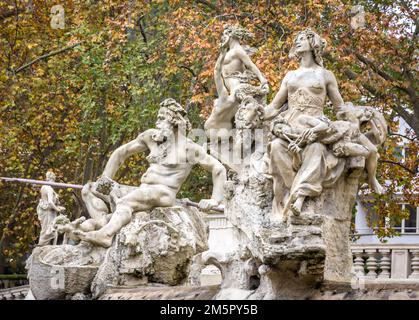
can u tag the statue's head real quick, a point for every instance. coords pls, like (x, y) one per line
(234, 32)
(172, 115)
(359, 114)
(280, 127)
(308, 40)
(50, 176)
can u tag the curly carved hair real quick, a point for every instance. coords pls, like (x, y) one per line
(317, 45)
(177, 114)
(237, 32)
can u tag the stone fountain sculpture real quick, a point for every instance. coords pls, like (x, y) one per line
(291, 205)
(289, 198)
(135, 235)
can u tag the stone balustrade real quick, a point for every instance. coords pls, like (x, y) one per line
(383, 261)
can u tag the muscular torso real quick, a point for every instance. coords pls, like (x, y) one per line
(171, 170)
(232, 63)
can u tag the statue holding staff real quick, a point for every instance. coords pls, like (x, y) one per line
(47, 210)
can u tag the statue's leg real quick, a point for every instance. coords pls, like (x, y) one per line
(143, 198)
(309, 179)
(297, 205)
(371, 164)
(280, 168)
(96, 206)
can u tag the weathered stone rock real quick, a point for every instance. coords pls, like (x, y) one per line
(155, 247)
(56, 272)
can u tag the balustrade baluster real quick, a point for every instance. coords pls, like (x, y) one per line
(385, 264)
(415, 264)
(371, 263)
(359, 262)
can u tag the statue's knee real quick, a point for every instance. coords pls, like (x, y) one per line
(124, 212)
(278, 145)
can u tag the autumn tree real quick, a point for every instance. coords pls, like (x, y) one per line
(71, 95)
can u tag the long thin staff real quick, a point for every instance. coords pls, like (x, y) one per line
(79, 186)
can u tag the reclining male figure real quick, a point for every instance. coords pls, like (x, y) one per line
(171, 159)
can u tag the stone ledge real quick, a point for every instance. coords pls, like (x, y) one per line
(160, 293)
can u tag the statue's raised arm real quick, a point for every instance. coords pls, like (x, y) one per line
(237, 66)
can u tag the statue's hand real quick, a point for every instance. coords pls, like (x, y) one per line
(207, 204)
(104, 185)
(294, 148)
(264, 87)
(308, 135)
(61, 209)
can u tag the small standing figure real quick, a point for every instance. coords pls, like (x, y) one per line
(47, 210)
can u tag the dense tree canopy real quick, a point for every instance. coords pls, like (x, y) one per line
(70, 95)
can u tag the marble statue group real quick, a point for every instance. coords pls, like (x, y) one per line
(290, 202)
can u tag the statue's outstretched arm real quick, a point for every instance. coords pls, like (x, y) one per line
(333, 90)
(280, 98)
(118, 157)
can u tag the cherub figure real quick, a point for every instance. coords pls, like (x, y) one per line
(343, 136)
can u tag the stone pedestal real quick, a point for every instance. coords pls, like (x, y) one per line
(156, 247)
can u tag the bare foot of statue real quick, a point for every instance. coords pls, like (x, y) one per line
(78, 221)
(376, 186)
(95, 237)
(297, 205)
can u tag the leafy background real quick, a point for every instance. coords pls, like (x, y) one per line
(116, 61)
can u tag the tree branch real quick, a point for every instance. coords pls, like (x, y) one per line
(409, 118)
(209, 5)
(45, 56)
(10, 13)
(401, 135)
(187, 68)
(400, 165)
(375, 68)
(143, 34)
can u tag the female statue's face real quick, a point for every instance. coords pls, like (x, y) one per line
(302, 44)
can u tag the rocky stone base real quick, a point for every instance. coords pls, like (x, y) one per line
(156, 247)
